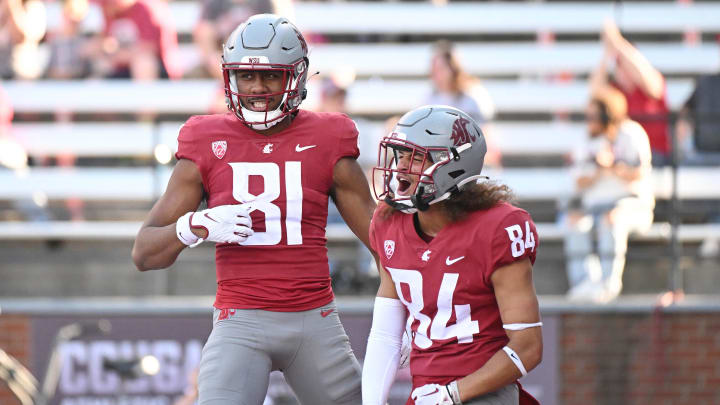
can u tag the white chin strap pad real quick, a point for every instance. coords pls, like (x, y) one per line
(259, 116)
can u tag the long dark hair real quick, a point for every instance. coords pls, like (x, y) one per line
(476, 197)
(461, 80)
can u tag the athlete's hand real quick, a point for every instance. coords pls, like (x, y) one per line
(432, 394)
(223, 224)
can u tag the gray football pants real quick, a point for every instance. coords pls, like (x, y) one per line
(311, 350)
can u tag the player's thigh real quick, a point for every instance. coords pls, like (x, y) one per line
(325, 370)
(507, 395)
(234, 367)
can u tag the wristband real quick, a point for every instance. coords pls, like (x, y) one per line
(515, 359)
(184, 233)
(454, 393)
(521, 326)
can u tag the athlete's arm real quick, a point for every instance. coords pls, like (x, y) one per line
(157, 245)
(636, 65)
(515, 295)
(351, 194)
(382, 355)
(599, 76)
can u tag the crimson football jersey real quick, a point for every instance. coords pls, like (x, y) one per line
(287, 178)
(454, 320)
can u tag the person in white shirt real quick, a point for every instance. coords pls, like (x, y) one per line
(614, 197)
(454, 87)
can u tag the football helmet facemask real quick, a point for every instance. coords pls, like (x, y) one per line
(444, 139)
(266, 42)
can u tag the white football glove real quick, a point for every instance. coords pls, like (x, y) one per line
(405, 350)
(224, 224)
(435, 394)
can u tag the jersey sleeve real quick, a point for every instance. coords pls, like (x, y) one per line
(515, 239)
(347, 139)
(187, 142)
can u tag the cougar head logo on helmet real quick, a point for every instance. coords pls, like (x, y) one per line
(431, 153)
(268, 43)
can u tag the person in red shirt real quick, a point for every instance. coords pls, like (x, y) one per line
(139, 40)
(642, 84)
(266, 170)
(456, 269)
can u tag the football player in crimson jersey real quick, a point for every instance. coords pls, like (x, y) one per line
(267, 170)
(457, 263)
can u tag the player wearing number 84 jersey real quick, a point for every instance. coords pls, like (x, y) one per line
(456, 259)
(266, 170)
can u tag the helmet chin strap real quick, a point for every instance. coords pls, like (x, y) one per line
(265, 119)
(402, 205)
(258, 116)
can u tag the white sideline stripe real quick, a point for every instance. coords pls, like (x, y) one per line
(127, 230)
(372, 96)
(459, 18)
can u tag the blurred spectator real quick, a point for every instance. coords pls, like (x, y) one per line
(22, 26)
(333, 95)
(454, 87)
(70, 52)
(641, 83)
(698, 125)
(71, 56)
(355, 274)
(139, 40)
(12, 154)
(614, 197)
(217, 20)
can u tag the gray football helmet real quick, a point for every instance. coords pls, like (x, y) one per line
(447, 137)
(266, 42)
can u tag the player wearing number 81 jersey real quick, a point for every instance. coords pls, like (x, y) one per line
(457, 259)
(266, 170)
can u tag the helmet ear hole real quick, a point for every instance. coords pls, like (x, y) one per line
(456, 173)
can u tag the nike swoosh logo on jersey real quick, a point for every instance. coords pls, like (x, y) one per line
(450, 261)
(299, 148)
(326, 313)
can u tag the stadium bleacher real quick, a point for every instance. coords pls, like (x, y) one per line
(471, 18)
(373, 97)
(538, 85)
(533, 57)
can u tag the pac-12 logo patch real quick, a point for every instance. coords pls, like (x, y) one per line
(219, 148)
(389, 248)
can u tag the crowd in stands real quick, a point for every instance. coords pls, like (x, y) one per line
(627, 111)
